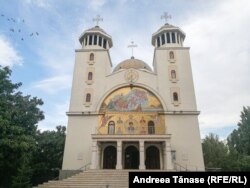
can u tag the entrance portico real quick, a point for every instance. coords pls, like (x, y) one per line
(131, 152)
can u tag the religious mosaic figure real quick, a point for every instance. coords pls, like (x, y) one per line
(131, 128)
(119, 121)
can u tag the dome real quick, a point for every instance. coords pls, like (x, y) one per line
(132, 63)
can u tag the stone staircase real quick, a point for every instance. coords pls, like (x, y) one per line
(92, 179)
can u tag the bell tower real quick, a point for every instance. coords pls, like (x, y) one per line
(92, 65)
(175, 84)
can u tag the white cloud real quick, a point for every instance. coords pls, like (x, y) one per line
(40, 3)
(96, 4)
(220, 59)
(8, 55)
(54, 84)
(55, 116)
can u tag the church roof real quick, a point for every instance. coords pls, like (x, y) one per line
(132, 63)
(167, 27)
(96, 30)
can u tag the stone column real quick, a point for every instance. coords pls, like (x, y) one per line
(87, 40)
(142, 158)
(168, 164)
(98, 165)
(94, 153)
(119, 155)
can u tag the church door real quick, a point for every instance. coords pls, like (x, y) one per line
(131, 158)
(152, 158)
(109, 157)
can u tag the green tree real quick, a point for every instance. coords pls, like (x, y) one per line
(49, 155)
(239, 139)
(239, 143)
(214, 152)
(19, 116)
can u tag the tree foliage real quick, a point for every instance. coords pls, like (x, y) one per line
(233, 156)
(214, 151)
(49, 154)
(239, 139)
(19, 116)
(25, 152)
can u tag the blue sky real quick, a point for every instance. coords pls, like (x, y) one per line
(216, 31)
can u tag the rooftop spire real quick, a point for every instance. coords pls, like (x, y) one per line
(97, 19)
(166, 16)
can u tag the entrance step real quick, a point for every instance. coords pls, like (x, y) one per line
(94, 179)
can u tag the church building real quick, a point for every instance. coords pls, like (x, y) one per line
(131, 116)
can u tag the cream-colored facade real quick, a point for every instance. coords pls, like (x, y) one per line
(129, 116)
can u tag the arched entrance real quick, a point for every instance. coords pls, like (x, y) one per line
(131, 158)
(152, 158)
(109, 157)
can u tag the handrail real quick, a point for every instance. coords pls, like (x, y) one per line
(181, 167)
(84, 167)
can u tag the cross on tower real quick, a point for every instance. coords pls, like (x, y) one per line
(166, 16)
(132, 45)
(97, 19)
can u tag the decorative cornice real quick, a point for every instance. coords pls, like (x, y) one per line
(130, 137)
(92, 113)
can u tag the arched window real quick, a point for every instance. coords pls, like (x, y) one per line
(88, 97)
(91, 57)
(175, 96)
(111, 127)
(151, 127)
(173, 74)
(90, 76)
(171, 55)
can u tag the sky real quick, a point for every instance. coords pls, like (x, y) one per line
(38, 39)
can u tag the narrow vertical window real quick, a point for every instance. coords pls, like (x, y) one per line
(151, 127)
(163, 38)
(173, 38)
(171, 55)
(90, 76)
(175, 97)
(105, 43)
(178, 41)
(90, 39)
(91, 57)
(88, 97)
(158, 42)
(111, 127)
(95, 39)
(173, 74)
(168, 38)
